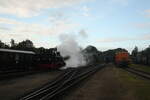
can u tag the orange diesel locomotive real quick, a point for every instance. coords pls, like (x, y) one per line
(122, 59)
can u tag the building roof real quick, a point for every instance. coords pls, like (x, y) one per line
(16, 51)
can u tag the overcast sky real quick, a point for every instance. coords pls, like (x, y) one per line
(106, 24)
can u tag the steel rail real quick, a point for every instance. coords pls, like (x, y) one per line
(48, 86)
(59, 88)
(71, 78)
(72, 83)
(138, 73)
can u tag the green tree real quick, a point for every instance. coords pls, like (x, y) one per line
(135, 51)
(1, 44)
(25, 45)
(12, 43)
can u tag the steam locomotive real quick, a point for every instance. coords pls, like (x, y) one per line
(49, 59)
(27, 60)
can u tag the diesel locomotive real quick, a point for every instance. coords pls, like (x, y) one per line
(122, 59)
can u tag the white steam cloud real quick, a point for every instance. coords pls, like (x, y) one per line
(69, 47)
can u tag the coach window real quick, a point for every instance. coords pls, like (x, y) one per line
(5, 55)
(17, 58)
(1, 57)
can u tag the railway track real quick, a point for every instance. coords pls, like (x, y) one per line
(140, 73)
(62, 83)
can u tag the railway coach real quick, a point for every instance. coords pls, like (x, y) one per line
(16, 59)
(28, 60)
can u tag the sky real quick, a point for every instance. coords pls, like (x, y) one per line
(106, 24)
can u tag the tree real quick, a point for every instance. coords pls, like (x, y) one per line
(135, 51)
(1, 44)
(12, 42)
(28, 44)
(25, 45)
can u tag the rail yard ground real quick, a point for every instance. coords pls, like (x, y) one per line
(109, 83)
(140, 67)
(112, 83)
(14, 88)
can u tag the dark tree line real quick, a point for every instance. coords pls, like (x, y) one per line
(3, 45)
(23, 45)
(141, 57)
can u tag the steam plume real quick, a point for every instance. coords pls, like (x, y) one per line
(69, 47)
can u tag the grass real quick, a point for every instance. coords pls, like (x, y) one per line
(139, 87)
(140, 67)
